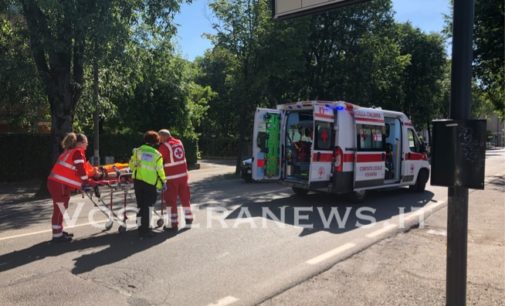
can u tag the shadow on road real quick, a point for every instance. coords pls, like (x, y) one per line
(20, 214)
(325, 212)
(120, 246)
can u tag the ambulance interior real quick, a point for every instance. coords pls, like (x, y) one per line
(299, 137)
(392, 149)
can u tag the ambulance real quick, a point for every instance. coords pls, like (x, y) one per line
(337, 147)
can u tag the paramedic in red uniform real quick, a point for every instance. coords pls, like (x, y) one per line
(68, 174)
(176, 171)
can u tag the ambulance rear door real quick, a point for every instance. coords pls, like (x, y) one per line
(370, 155)
(266, 163)
(321, 162)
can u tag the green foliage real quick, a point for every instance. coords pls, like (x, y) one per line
(358, 54)
(489, 53)
(488, 88)
(422, 77)
(22, 102)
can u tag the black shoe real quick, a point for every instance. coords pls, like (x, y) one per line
(188, 221)
(68, 234)
(62, 238)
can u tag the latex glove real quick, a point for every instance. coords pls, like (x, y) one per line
(164, 187)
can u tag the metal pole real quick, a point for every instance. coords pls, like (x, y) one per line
(96, 115)
(457, 218)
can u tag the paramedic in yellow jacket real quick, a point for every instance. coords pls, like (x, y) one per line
(148, 175)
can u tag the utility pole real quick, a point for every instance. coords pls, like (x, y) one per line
(457, 219)
(96, 115)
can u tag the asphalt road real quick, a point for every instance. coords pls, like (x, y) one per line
(249, 242)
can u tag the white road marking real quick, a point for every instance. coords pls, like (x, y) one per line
(330, 254)
(381, 231)
(225, 301)
(48, 230)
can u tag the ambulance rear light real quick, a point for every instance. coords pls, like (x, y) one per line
(338, 155)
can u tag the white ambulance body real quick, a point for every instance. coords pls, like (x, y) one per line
(338, 147)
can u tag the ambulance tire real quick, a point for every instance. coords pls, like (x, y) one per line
(300, 191)
(357, 196)
(422, 179)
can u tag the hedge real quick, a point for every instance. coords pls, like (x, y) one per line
(27, 156)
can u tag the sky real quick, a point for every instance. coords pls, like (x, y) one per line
(196, 18)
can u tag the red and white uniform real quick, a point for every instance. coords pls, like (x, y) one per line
(67, 175)
(176, 171)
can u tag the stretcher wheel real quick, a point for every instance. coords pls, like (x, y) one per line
(108, 225)
(160, 222)
(121, 229)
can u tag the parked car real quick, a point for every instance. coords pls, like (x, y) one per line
(246, 170)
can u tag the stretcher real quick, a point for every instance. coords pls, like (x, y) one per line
(118, 181)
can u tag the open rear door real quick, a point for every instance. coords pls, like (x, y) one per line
(370, 156)
(266, 145)
(321, 162)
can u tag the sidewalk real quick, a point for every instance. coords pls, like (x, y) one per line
(409, 269)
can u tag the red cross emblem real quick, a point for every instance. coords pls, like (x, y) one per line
(178, 153)
(321, 171)
(324, 135)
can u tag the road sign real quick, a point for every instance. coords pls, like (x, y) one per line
(284, 9)
(459, 153)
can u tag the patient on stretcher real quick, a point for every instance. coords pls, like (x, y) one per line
(109, 171)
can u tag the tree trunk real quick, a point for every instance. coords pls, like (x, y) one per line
(59, 57)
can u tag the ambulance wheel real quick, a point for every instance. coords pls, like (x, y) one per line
(160, 222)
(300, 191)
(121, 229)
(108, 225)
(422, 179)
(357, 196)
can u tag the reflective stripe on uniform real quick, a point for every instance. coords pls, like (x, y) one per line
(85, 177)
(175, 163)
(56, 227)
(64, 179)
(79, 161)
(66, 165)
(171, 154)
(177, 176)
(147, 167)
(57, 235)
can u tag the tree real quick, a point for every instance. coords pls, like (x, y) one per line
(423, 75)
(489, 65)
(353, 55)
(488, 55)
(59, 31)
(22, 102)
(247, 34)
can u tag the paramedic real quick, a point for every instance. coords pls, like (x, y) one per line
(68, 174)
(176, 170)
(146, 165)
